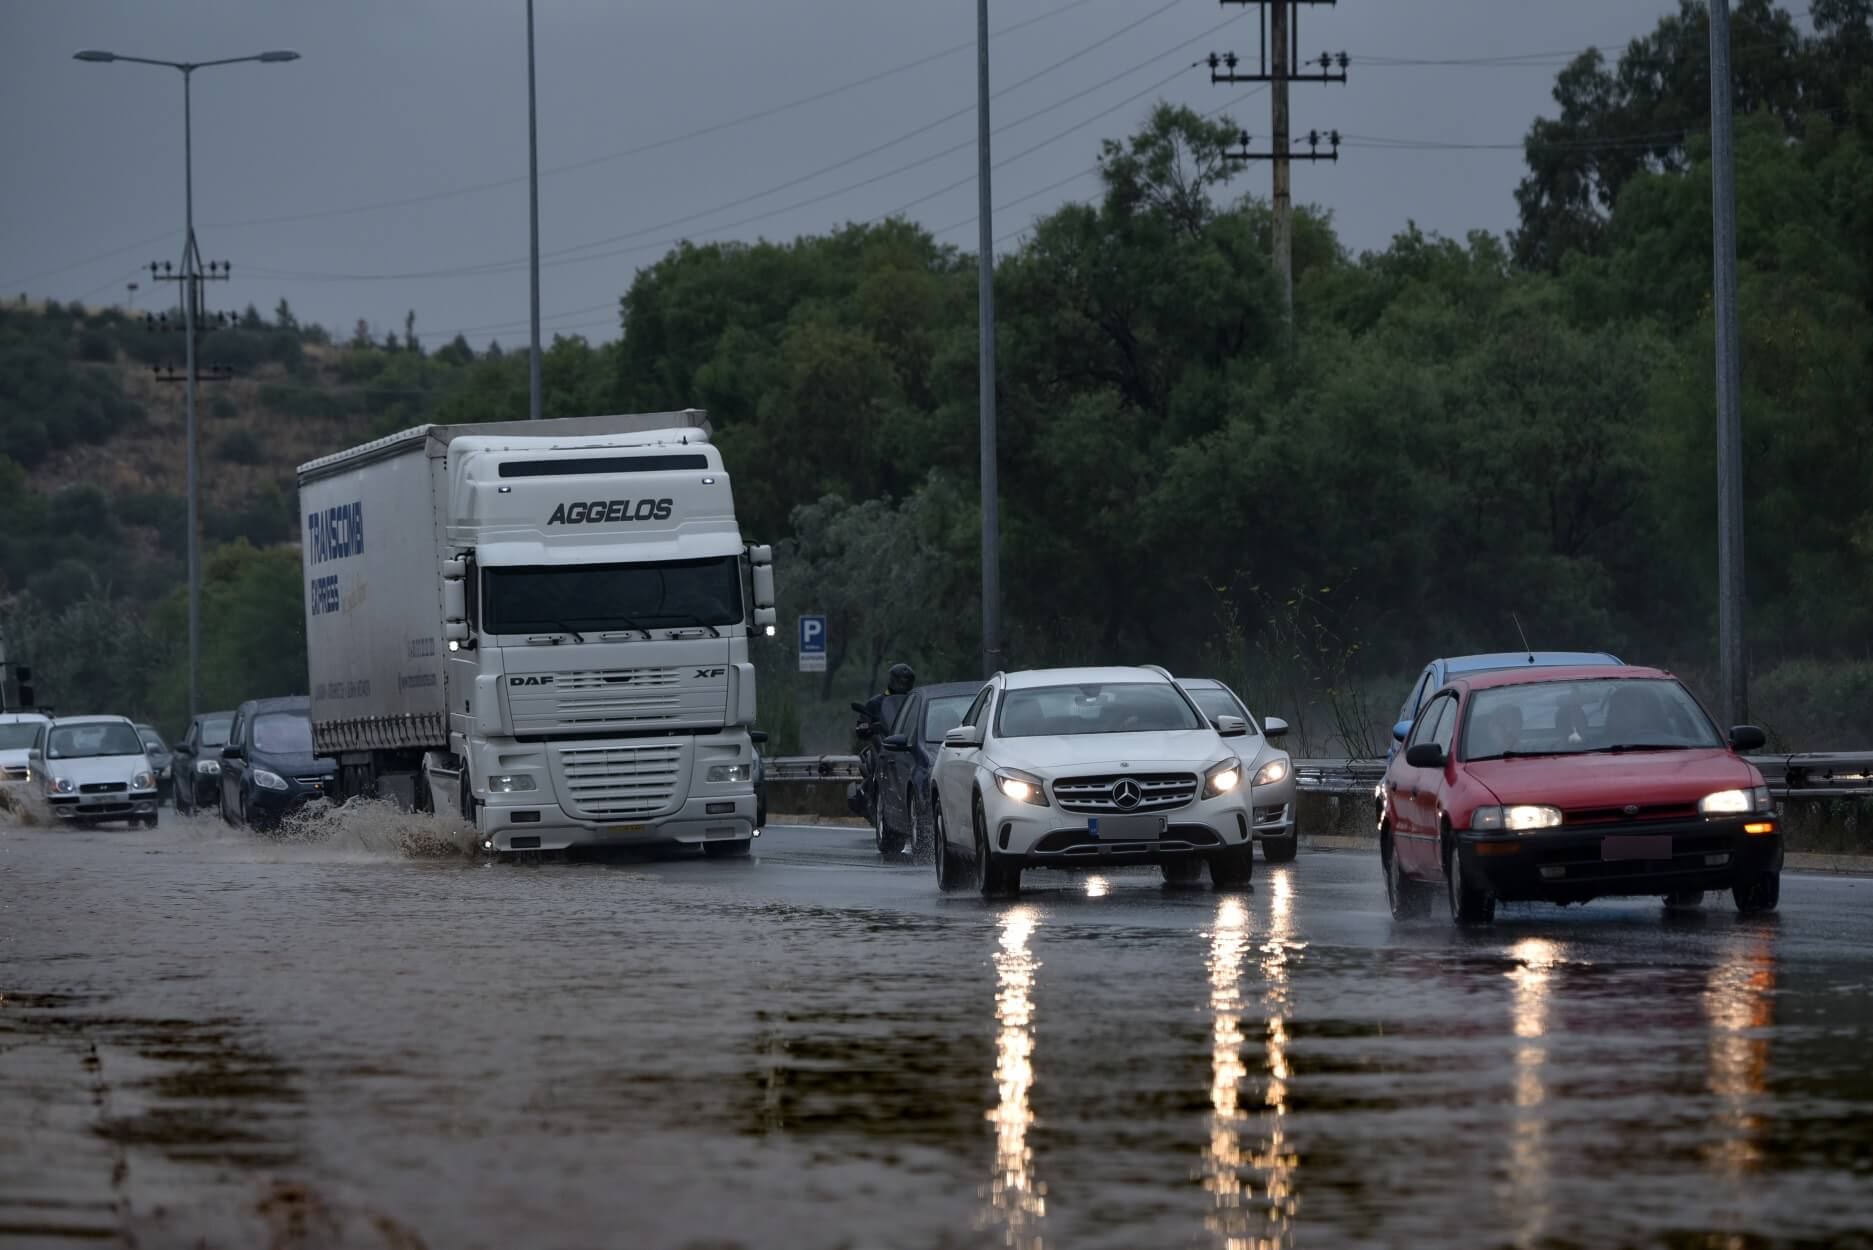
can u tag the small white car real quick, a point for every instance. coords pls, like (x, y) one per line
(1270, 771)
(92, 768)
(17, 731)
(1089, 768)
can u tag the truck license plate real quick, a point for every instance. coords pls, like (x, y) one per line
(626, 828)
(1656, 846)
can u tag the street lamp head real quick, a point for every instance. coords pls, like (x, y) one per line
(279, 55)
(93, 54)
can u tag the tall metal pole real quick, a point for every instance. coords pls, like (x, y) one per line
(1284, 200)
(533, 227)
(1732, 677)
(985, 296)
(190, 287)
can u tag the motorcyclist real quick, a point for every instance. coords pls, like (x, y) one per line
(874, 722)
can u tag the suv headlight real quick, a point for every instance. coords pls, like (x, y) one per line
(1516, 818)
(1221, 779)
(142, 781)
(268, 780)
(61, 785)
(208, 768)
(509, 783)
(719, 773)
(1735, 802)
(1021, 787)
(1271, 772)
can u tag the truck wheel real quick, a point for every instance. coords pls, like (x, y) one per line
(736, 849)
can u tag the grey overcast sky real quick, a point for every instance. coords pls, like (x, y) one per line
(424, 102)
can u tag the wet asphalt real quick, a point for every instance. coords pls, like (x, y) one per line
(208, 1039)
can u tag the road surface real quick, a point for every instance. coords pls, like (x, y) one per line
(211, 1039)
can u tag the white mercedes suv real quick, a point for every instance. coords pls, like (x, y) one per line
(1088, 768)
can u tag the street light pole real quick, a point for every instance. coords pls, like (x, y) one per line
(191, 286)
(533, 228)
(1732, 670)
(985, 299)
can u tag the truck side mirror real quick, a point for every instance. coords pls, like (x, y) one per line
(762, 576)
(454, 600)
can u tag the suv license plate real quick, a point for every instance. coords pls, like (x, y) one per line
(1125, 828)
(1657, 846)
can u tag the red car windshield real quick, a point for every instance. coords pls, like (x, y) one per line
(1580, 717)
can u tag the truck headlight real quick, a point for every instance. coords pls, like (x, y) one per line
(1221, 779)
(208, 768)
(61, 785)
(719, 773)
(267, 780)
(1516, 818)
(510, 783)
(1735, 802)
(1021, 787)
(142, 781)
(1271, 772)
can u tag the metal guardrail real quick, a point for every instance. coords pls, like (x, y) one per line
(1813, 775)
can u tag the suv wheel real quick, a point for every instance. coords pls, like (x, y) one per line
(1185, 870)
(998, 875)
(1234, 867)
(1280, 850)
(949, 872)
(1469, 904)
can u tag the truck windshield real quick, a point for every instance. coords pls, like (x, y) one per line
(602, 598)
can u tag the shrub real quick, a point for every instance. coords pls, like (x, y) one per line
(1816, 705)
(240, 447)
(96, 347)
(222, 408)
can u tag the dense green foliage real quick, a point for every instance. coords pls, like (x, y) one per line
(1451, 432)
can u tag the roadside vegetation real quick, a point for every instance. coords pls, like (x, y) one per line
(1455, 430)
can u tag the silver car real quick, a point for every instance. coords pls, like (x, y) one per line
(1267, 766)
(93, 768)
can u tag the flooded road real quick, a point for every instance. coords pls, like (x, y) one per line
(208, 1039)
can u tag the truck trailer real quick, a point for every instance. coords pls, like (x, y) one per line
(539, 628)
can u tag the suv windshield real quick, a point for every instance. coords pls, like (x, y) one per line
(75, 742)
(944, 714)
(215, 730)
(283, 733)
(18, 735)
(1579, 717)
(1093, 708)
(609, 598)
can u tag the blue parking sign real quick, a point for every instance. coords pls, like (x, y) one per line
(813, 643)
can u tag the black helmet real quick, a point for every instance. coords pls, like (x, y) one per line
(901, 679)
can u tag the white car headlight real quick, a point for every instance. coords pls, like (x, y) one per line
(61, 785)
(208, 768)
(1516, 818)
(1271, 772)
(1735, 802)
(267, 780)
(509, 783)
(729, 772)
(1021, 787)
(1221, 779)
(142, 781)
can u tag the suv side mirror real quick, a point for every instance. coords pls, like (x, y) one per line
(230, 752)
(1231, 726)
(1746, 738)
(963, 736)
(1274, 727)
(1425, 755)
(896, 742)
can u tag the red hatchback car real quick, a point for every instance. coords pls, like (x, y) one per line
(1568, 784)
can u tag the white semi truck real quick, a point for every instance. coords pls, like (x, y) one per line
(540, 628)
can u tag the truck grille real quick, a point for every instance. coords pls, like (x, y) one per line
(1157, 792)
(615, 680)
(620, 783)
(618, 698)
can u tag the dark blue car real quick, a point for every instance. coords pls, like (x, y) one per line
(903, 811)
(1438, 673)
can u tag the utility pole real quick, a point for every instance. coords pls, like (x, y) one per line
(985, 300)
(533, 228)
(1732, 675)
(1280, 64)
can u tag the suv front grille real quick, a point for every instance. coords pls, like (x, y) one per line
(1157, 792)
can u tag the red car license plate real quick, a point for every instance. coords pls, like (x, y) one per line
(1657, 846)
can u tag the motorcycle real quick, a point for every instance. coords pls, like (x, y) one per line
(862, 795)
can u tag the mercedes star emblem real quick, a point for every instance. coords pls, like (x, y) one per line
(1125, 794)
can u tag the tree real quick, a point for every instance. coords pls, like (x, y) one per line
(283, 318)
(409, 333)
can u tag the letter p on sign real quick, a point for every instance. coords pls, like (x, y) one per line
(813, 643)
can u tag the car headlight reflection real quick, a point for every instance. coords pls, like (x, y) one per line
(1021, 787)
(1221, 779)
(268, 780)
(1516, 818)
(1271, 772)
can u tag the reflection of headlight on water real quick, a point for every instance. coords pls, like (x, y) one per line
(1016, 1199)
(1530, 1163)
(1737, 999)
